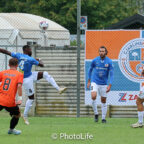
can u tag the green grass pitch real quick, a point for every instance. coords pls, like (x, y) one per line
(42, 129)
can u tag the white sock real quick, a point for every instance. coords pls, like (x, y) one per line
(104, 110)
(140, 116)
(50, 79)
(28, 106)
(94, 105)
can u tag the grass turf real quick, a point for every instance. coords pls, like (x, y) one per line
(41, 129)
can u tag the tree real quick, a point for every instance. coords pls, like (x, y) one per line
(101, 13)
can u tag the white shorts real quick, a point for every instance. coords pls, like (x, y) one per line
(141, 95)
(28, 83)
(100, 89)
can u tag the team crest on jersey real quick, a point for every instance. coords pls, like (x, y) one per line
(106, 65)
(131, 59)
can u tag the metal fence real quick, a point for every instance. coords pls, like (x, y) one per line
(61, 63)
(4, 59)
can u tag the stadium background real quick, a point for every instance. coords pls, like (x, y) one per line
(61, 63)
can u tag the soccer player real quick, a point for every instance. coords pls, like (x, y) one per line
(100, 70)
(139, 102)
(25, 65)
(11, 83)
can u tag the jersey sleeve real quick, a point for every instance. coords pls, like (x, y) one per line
(91, 69)
(111, 71)
(15, 55)
(20, 78)
(34, 61)
(0, 76)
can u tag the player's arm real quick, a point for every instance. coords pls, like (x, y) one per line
(111, 72)
(89, 74)
(5, 52)
(40, 62)
(37, 62)
(19, 90)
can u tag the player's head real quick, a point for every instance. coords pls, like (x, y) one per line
(27, 50)
(103, 51)
(13, 62)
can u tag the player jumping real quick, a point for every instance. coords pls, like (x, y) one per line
(25, 65)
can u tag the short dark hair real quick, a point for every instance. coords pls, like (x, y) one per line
(104, 48)
(13, 62)
(25, 47)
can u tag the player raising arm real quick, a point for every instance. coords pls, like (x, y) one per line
(25, 65)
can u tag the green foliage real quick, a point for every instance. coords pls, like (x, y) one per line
(101, 13)
(73, 43)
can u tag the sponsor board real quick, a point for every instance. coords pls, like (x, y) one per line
(126, 49)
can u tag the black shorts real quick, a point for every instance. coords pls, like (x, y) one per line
(12, 110)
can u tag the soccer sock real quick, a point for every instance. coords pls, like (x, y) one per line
(140, 116)
(13, 122)
(104, 110)
(28, 106)
(94, 105)
(51, 80)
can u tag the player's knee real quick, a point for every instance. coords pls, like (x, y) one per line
(40, 75)
(138, 101)
(18, 115)
(45, 74)
(93, 95)
(103, 100)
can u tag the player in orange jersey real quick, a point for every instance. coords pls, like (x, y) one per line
(11, 83)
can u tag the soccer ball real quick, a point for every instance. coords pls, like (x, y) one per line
(43, 25)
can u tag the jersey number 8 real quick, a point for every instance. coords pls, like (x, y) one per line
(6, 84)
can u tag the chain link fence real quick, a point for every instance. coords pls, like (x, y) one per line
(52, 45)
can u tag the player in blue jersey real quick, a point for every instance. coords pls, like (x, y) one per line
(100, 70)
(25, 66)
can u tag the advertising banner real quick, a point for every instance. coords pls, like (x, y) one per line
(126, 49)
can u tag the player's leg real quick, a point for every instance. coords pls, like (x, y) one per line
(94, 104)
(139, 103)
(104, 109)
(28, 107)
(50, 80)
(29, 90)
(1, 107)
(103, 94)
(15, 114)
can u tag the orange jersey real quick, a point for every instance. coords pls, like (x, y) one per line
(9, 80)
